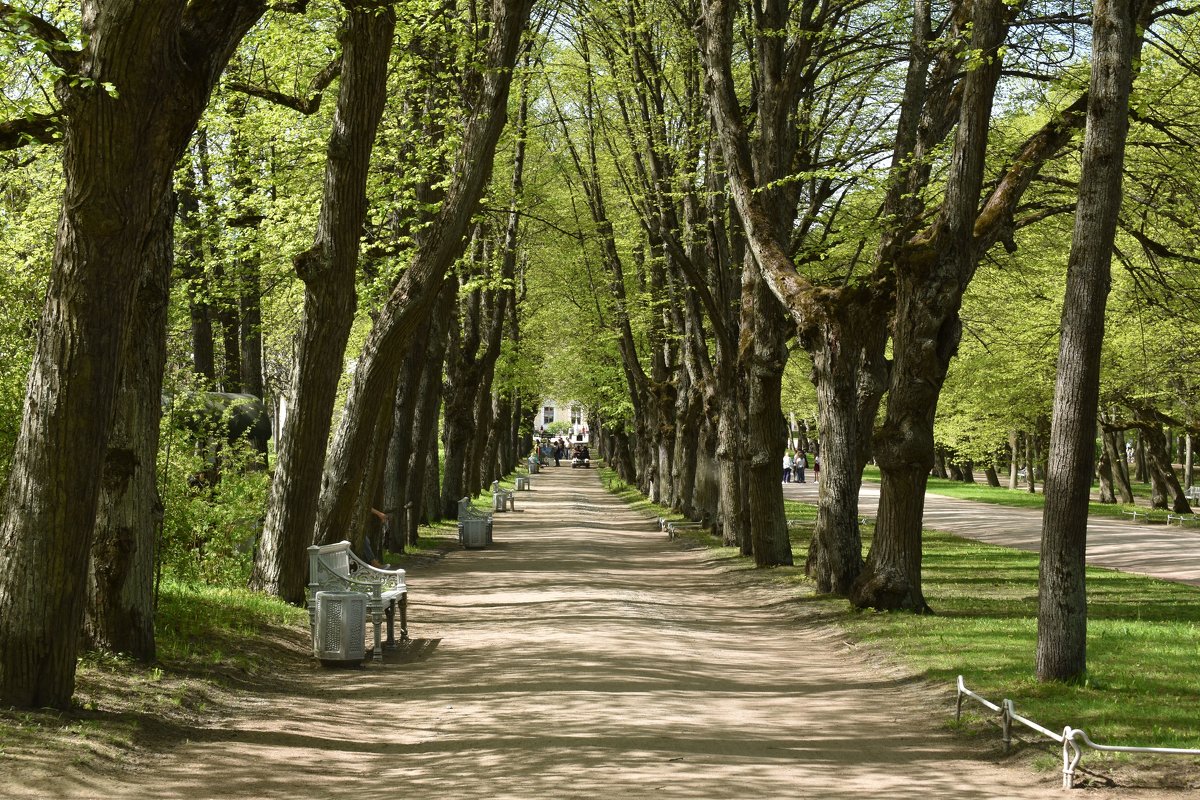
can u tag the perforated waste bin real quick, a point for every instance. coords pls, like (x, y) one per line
(339, 633)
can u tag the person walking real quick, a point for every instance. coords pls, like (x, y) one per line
(816, 469)
(799, 464)
(787, 466)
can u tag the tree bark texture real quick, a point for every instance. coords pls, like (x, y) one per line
(458, 399)
(425, 418)
(1104, 472)
(766, 431)
(118, 156)
(120, 611)
(328, 270)
(850, 375)
(1062, 594)
(1166, 491)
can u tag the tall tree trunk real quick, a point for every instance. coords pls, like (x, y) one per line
(250, 328)
(1114, 445)
(458, 399)
(930, 280)
(847, 355)
(118, 157)
(765, 430)
(429, 488)
(423, 451)
(686, 448)
(992, 478)
(328, 270)
(939, 466)
(438, 246)
(395, 472)
(120, 612)
(731, 460)
(228, 315)
(1062, 594)
(1104, 472)
(1141, 468)
(1166, 491)
(1016, 460)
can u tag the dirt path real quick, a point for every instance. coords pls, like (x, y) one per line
(1161, 551)
(584, 656)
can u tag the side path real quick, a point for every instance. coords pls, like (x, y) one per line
(584, 656)
(1161, 551)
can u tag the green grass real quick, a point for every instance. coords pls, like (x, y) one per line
(211, 643)
(201, 626)
(1021, 498)
(1143, 637)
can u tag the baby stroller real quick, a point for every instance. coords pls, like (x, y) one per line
(580, 458)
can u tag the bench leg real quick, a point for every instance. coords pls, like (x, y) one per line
(404, 618)
(390, 613)
(312, 623)
(377, 621)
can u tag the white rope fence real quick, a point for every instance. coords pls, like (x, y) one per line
(1071, 739)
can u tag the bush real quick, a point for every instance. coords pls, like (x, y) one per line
(214, 499)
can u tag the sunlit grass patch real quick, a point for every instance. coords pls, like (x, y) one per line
(1022, 497)
(1143, 641)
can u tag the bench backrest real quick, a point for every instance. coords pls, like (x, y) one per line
(334, 557)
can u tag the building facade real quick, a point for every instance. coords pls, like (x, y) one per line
(559, 418)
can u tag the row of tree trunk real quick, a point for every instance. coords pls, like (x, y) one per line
(924, 262)
(86, 451)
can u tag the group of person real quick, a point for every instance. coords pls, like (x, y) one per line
(794, 464)
(558, 450)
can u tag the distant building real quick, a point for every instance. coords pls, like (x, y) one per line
(553, 415)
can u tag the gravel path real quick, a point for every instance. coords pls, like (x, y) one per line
(584, 656)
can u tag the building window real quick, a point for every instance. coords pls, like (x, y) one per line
(548, 415)
(576, 415)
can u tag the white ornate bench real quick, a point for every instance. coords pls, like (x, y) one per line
(503, 499)
(333, 567)
(474, 527)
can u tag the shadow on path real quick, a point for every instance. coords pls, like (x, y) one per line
(585, 656)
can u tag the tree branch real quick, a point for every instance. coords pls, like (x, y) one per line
(995, 221)
(19, 132)
(305, 105)
(57, 46)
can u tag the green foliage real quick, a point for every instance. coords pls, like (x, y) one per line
(29, 195)
(198, 623)
(214, 499)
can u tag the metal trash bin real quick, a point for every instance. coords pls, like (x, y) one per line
(474, 535)
(339, 636)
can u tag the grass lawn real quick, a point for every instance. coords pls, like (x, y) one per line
(1022, 498)
(1143, 637)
